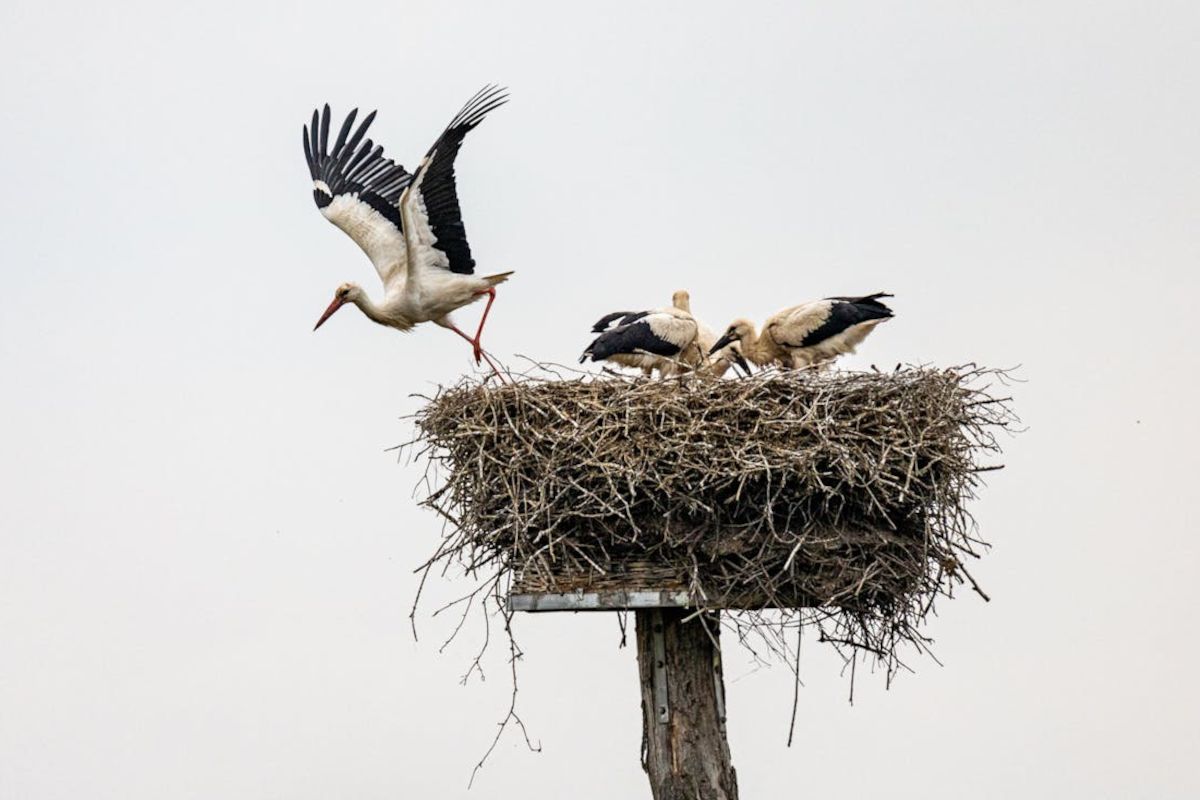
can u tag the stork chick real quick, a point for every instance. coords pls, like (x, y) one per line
(810, 333)
(664, 339)
(675, 363)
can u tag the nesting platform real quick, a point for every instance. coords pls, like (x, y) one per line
(841, 490)
(839, 499)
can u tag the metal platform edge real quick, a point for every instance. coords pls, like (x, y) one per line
(617, 600)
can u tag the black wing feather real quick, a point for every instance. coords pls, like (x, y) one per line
(350, 158)
(635, 337)
(316, 121)
(358, 168)
(438, 189)
(351, 168)
(869, 299)
(620, 317)
(325, 129)
(345, 129)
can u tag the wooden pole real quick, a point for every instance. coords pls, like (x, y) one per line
(685, 750)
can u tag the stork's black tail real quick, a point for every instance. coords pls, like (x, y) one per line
(870, 301)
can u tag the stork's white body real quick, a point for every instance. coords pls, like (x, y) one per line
(677, 325)
(782, 330)
(410, 296)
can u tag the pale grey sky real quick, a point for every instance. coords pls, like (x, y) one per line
(206, 558)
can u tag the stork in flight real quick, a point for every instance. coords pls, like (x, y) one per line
(410, 226)
(669, 340)
(810, 333)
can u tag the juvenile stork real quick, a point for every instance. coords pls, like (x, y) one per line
(410, 226)
(810, 333)
(646, 361)
(663, 339)
(691, 356)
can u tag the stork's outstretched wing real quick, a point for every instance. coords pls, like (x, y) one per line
(430, 206)
(358, 189)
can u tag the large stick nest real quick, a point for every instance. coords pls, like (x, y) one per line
(841, 493)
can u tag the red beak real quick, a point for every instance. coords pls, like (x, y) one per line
(334, 306)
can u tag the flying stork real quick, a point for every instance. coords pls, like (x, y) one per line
(669, 340)
(409, 225)
(810, 333)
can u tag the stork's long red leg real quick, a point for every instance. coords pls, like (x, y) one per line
(460, 333)
(491, 293)
(479, 352)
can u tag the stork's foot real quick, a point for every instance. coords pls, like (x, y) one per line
(495, 369)
(479, 353)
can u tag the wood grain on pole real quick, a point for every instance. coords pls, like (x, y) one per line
(686, 757)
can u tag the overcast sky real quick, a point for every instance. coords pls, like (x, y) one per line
(206, 557)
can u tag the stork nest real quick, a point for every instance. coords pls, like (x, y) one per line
(838, 497)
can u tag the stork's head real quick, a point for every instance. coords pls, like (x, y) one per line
(731, 356)
(346, 293)
(740, 329)
(682, 300)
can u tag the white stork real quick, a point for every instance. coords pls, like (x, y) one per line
(624, 342)
(663, 337)
(810, 333)
(410, 226)
(645, 361)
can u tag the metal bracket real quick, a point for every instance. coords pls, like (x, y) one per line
(719, 687)
(614, 600)
(662, 706)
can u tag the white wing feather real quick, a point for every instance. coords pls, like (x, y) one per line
(421, 239)
(371, 231)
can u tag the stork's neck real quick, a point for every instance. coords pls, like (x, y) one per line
(368, 307)
(755, 348)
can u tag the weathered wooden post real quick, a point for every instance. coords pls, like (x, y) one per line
(683, 706)
(685, 751)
